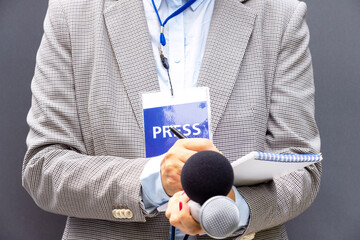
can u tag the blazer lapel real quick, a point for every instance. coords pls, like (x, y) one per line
(230, 30)
(129, 35)
(231, 27)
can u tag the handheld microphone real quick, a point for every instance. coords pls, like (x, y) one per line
(207, 178)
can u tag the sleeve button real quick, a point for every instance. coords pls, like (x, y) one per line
(122, 213)
(128, 214)
(114, 213)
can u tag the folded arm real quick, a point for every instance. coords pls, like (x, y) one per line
(291, 129)
(58, 172)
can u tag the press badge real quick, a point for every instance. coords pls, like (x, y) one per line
(188, 110)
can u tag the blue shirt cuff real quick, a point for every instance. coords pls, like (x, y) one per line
(153, 194)
(243, 208)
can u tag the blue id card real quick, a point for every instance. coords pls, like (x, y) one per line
(188, 110)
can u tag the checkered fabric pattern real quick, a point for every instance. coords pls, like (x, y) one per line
(86, 142)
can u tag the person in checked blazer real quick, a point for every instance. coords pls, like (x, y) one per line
(86, 143)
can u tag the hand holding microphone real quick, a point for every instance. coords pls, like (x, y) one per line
(206, 177)
(175, 158)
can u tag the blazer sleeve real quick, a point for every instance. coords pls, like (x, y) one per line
(57, 171)
(291, 129)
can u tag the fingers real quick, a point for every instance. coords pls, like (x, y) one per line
(171, 204)
(184, 197)
(178, 213)
(174, 159)
(188, 223)
(171, 167)
(180, 153)
(231, 195)
(170, 170)
(197, 144)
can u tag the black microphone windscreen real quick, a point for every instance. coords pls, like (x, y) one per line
(207, 174)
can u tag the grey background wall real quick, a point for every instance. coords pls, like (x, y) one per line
(335, 46)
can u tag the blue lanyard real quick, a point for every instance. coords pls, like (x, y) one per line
(162, 36)
(174, 14)
(172, 234)
(166, 65)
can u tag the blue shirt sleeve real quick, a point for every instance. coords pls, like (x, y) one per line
(153, 194)
(243, 208)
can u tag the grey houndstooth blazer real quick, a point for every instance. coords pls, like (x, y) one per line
(86, 141)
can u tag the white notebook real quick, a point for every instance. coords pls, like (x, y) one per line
(258, 167)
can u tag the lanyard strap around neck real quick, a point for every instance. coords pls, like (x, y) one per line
(174, 14)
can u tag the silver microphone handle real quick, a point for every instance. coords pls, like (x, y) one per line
(195, 210)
